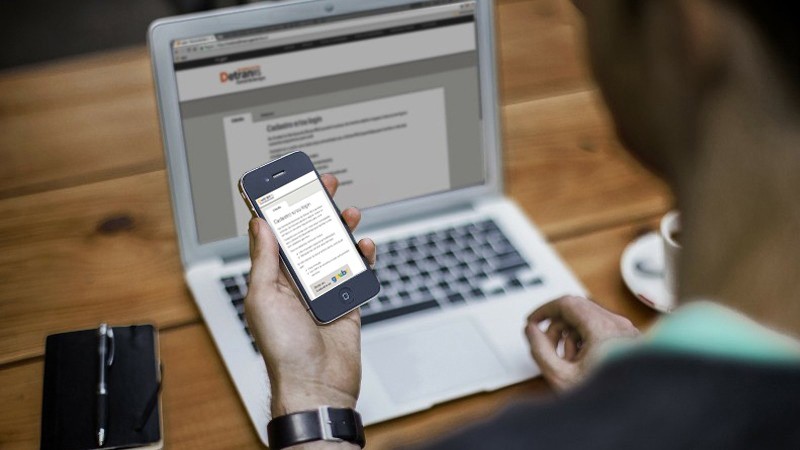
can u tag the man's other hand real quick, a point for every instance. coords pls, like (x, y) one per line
(580, 326)
(309, 365)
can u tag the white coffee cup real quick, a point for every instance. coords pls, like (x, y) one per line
(670, 228)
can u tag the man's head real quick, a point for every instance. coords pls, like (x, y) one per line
(660, 63)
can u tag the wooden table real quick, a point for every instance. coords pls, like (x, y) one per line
(86, 232)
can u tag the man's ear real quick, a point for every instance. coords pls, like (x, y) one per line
(582, 5)
(704, 37)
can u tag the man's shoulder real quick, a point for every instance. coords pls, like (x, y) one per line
(656, 400)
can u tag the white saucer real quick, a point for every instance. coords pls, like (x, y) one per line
(642, 267)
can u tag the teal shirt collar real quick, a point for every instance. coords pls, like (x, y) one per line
(710, 329)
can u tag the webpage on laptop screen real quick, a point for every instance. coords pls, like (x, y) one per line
(389, 102)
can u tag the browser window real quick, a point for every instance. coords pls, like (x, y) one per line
(372, 98)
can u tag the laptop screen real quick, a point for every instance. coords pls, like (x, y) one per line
(388, 101)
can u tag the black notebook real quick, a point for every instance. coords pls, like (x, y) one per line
(69, 400)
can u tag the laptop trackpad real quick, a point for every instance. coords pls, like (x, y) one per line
(433, 361)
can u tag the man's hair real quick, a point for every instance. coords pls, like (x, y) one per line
(777, 20)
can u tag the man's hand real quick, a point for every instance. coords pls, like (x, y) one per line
(581, 325)
(309, 365)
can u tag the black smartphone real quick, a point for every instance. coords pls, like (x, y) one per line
(316, 247)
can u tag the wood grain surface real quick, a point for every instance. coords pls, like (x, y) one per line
(541, 50)
(565, 167)
(74, 257)
(93, 118)
(73, 122)
(86, 231)
(202, 409)
(98, 241)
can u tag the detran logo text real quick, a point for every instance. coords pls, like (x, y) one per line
(242, 75)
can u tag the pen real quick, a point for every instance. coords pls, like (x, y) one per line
(104, 335)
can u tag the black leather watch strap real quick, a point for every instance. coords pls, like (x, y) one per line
(323, 424)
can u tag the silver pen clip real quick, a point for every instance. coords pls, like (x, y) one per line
(110, 336)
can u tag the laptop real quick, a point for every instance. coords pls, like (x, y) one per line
(399, 100)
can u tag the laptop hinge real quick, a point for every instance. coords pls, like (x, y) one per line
(414, 217)
(235, 258)
(488, 199)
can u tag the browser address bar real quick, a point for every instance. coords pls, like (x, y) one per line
(344, 25)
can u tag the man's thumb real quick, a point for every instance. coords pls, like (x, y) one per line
(544, 353)
(263, 253)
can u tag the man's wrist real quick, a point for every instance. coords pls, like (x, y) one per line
(302, 401)
(325, 445)
(287, 401)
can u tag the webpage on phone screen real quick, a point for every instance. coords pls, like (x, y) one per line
(311, 235)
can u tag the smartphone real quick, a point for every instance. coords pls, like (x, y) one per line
(316, 247)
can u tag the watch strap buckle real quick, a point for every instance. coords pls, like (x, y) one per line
(326, 425)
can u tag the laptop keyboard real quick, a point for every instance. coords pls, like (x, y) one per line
(446, 268)
(236, 287)
(440, 269)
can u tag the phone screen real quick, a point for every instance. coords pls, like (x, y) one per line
(312, 236)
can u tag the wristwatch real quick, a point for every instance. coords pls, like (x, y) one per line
(323, 424)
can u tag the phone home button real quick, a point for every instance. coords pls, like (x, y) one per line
(346, 294)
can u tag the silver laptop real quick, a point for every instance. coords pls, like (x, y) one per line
(398, 98)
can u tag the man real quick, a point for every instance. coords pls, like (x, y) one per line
(706, 93)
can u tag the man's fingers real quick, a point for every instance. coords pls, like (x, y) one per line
(351, 216)
(571, 346)
(544, 353)
(263, 253)
(368, 249)
(550, 310)
(330, 182)
(354, 315)
(574, 311)
(555, 332)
